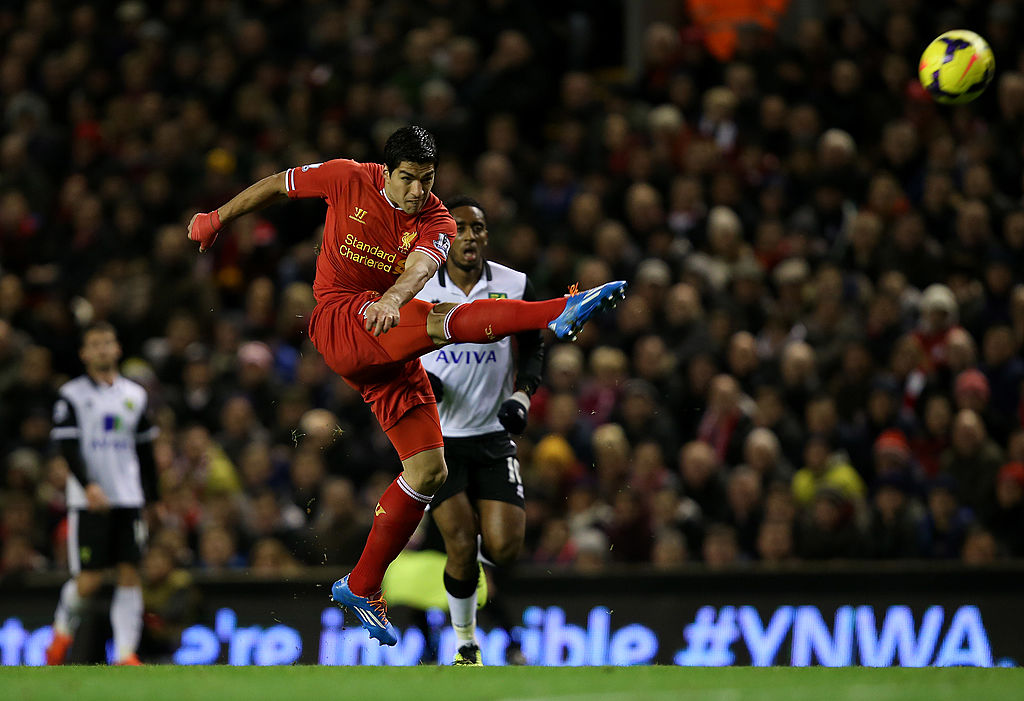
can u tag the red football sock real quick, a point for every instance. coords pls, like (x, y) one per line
(398, 513)
(490, 319)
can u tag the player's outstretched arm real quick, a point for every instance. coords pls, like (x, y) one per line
(204, 226)
(383, 314)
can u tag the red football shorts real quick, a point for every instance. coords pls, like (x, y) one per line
(391, 381)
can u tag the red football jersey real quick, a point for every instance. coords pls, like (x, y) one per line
(366, 237)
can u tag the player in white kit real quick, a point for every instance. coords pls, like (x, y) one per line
(483, 394)
(101, 426)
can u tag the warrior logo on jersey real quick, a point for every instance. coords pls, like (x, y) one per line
(407, 237)
(311, 166)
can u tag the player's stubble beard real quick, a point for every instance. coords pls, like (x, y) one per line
(475, 266)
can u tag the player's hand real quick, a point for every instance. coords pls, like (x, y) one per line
(96, 497)
(203, 229)
(436, 385)
(512, 413)
(381, 316)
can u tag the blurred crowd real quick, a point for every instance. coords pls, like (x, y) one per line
(821, 353)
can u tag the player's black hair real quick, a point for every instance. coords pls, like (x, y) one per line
(464, 201)
(97, 326)
(413, 144)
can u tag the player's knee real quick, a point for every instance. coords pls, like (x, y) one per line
(435, 322)
(433, 476)
(461, 547)
(503, 551)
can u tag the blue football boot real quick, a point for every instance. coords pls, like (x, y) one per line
(582, 305)
(372, 613)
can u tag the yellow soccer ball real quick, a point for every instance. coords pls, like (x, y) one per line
(956, 67)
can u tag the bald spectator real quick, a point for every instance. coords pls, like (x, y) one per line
(762, 453)
(799, 376)
(743, 362)
(703, 480)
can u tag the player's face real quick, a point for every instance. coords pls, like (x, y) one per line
(409, 185)
(100, 351)
(470, 237)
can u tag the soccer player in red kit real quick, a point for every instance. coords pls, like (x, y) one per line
(385, 235)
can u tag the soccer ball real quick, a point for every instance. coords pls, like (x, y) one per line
(956, 67)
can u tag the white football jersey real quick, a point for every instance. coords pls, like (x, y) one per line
(477, 377)
(106, 421)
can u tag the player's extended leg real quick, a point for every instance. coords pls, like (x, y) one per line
(126, 611)
(424, 327)
(417, 437)
(457, 523)
(486, 320)
(73, 596)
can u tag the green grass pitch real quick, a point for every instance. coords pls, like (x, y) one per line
(156, 683)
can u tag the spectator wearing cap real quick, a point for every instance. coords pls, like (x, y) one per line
(942, 530)
(939, 314)
(255, 377)
(894, 517)
(893, 457)
(972, 460)
(1006, 520)
(882, 413)
(971, 390)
